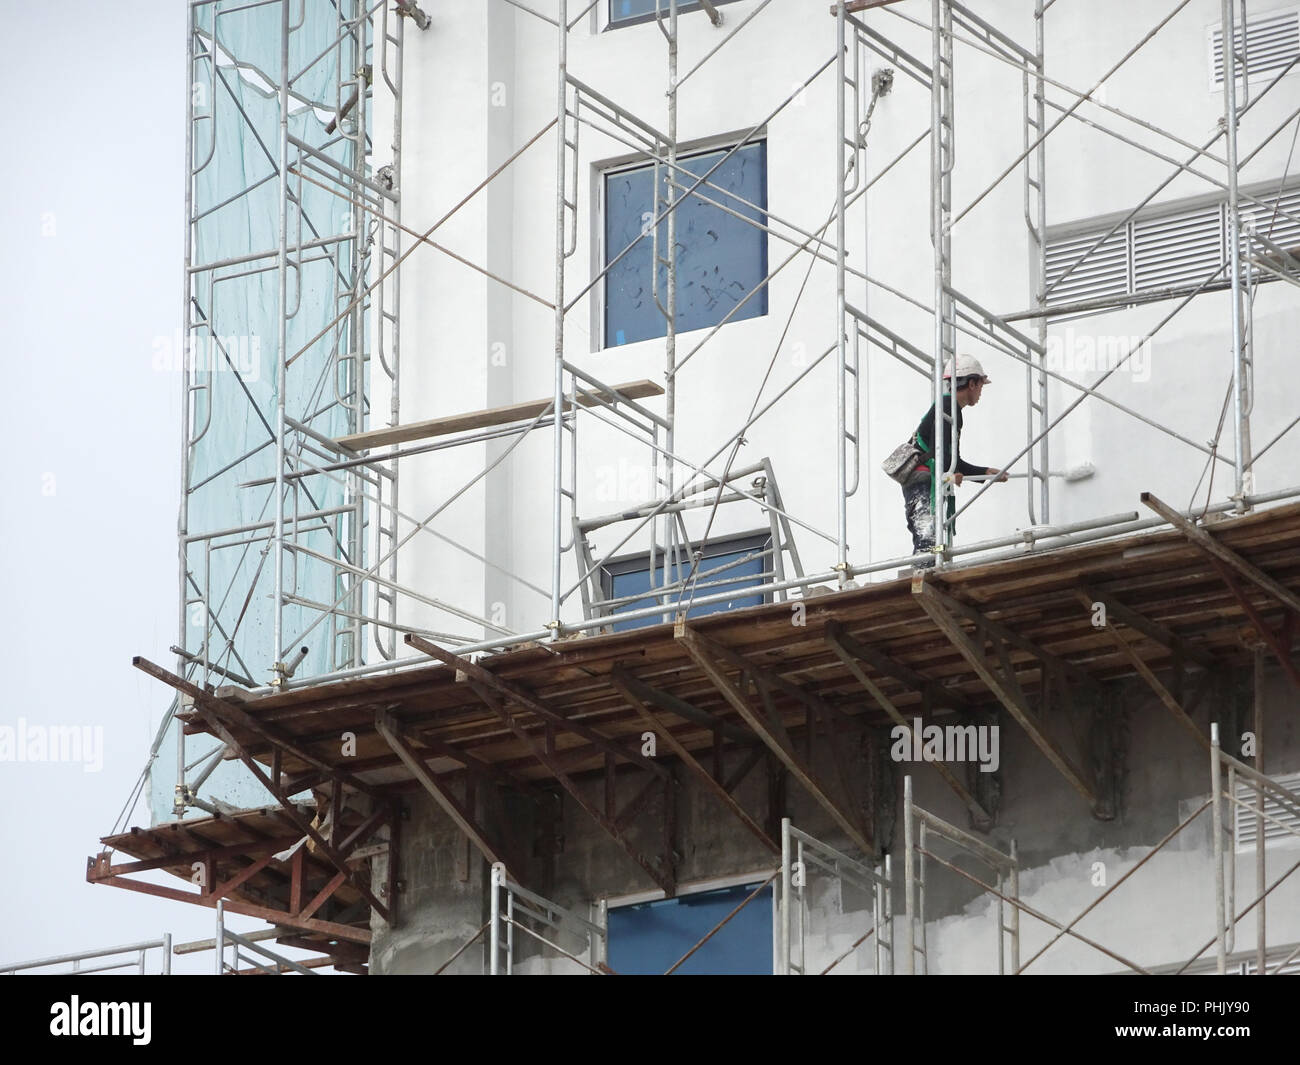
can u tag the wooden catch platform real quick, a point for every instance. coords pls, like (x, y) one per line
(998, 635)
(228, 846)
(1161, 577)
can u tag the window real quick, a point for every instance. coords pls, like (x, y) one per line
(734, 565)
(1168, 249)
(647, 939)
(626, 12)
(721, 258)
(1272, 42)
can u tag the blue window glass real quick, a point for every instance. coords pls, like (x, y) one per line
(627, 579)
(623, 12)
(647, 939)
(720, 258)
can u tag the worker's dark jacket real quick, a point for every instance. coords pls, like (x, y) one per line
(925, 438)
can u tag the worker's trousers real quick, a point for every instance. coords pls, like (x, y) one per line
(919, 507)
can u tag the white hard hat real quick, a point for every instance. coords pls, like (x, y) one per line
(967, 366)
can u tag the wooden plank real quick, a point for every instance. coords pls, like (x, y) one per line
(265, 913)
(483, 419)
(1213, 546)
(630, 686)
(1281, 649)
(840, 641)
(208, 707)
(526, 699)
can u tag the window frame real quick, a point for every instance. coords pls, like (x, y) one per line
(722, 883)
(713, 883)
(611, 23)
(638, 562)
(624, 164)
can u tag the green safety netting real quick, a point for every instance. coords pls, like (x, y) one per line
(234, 349)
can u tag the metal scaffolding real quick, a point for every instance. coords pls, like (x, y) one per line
(358, 541)
(1233, 786)
(801, 856)
(312, 581)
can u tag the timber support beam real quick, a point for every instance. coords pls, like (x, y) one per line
(663, 877)
(1231, 565)
(516, 693)
(1147, 674)
(215, 712)
(620, 681)
(710, 656)
(1001, 679)
(400, 741)
(838, 642)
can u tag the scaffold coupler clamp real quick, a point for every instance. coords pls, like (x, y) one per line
(281, 679)
(411, 10)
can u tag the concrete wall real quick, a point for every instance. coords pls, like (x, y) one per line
(482, 81)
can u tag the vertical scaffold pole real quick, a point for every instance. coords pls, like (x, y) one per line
(355, 30)
(1261, 928)
(1240, 425)
(221, 938)
(941, 160)
(887, 916)
(841, 450)
(557, 415)
(783, 962)
(496, 877)
(909, 881)
(182, 519)
(673, 562)
(1037, 410)
(1216, 808)
(282, 352)
(921, 848)
(1014, 927)
(387, 342)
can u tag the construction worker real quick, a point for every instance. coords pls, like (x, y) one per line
(919, 498)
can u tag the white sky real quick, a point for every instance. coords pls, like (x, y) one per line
(91, 210)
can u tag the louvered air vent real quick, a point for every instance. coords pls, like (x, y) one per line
(1272, 41)
(1279, 811)
(1281, 226)
(1173, 249)
(1102, 272)
(1177, 249)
